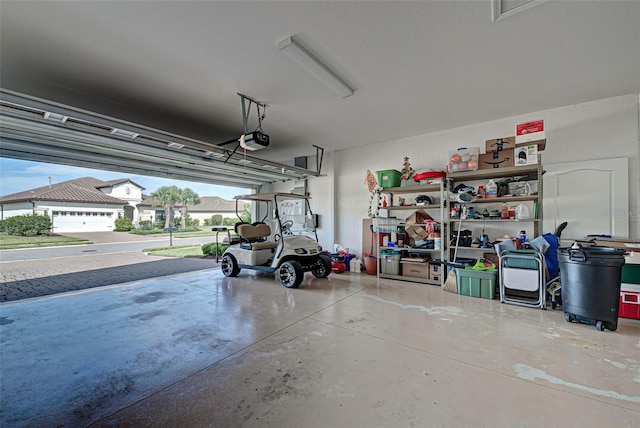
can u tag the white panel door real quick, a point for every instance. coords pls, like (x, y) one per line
(592, 196)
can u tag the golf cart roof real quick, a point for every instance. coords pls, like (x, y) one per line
(268, 197)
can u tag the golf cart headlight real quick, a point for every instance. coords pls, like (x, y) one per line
(319, 248)
(300, 251)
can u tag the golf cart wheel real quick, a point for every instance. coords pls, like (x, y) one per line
(229, 265)
(324, 267)
(291, 274)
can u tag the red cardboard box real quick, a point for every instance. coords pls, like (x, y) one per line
(530, 131)
(629, 301)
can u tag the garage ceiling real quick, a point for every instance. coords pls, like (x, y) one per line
(416, 67)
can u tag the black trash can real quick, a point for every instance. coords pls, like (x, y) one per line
(590, 279)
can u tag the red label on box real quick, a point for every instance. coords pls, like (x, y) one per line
(529, 127)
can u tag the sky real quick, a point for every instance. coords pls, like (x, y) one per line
(18, 176)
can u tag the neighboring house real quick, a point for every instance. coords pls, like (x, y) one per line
(212, 205)
(81, 205)
(208, 207)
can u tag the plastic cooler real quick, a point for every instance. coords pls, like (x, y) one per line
(630, 288)
(591, 279)
(388, 178)
(476, 283)
(630, 301)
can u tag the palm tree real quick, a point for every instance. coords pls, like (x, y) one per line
(167, 197)
(187, 197)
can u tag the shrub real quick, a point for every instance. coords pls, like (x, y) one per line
(189, 222)
(210, 249)
(28, 225)
(123, 225)
(146, 231)
(145, 225)
(227, 221)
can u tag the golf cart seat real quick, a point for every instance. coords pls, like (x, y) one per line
(254, 236)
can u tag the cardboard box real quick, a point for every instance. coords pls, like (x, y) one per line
(435, 270)
(415, 268)
(541, 144)
(502, 159)
(530, 131)
(414, 225)
(500, 144)
(418, 217)
(621, 243)
(526, 155)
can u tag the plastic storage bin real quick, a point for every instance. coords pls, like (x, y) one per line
(463, 159)
(591, 279)
(476, 283)
(388, 178)
(390, 262)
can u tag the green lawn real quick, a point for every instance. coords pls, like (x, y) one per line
(10, 242)
(205, 232)
(175, 251)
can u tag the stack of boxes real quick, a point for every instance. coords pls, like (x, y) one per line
(519, 150)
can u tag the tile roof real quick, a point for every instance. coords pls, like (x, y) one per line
(214, 204)
(118, 181)
(207, 204)
(83, 189)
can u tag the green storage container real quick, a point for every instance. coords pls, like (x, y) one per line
(631, 273)
(476, 283)
(388, 178)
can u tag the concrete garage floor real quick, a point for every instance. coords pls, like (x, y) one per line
(199, 349)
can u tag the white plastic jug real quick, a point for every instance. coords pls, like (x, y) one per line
(522, 212)
(491, 189)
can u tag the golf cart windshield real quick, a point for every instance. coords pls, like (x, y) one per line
(292, 213)
(295, 215)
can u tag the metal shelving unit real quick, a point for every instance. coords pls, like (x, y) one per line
(440, 193)
(534, 171)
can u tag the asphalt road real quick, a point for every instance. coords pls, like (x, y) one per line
(37, 272)
(93, 249)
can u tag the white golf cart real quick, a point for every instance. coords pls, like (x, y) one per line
(289, 252)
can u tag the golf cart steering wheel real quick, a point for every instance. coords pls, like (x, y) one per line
(286, 227)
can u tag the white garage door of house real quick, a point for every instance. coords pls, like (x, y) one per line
(82, 223)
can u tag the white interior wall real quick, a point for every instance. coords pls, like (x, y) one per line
(607, 128)
(321, 190)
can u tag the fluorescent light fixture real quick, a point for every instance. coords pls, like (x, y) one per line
(214, 155)
(123, 133)
(176, 146)
(303, 57)
(55, 117)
